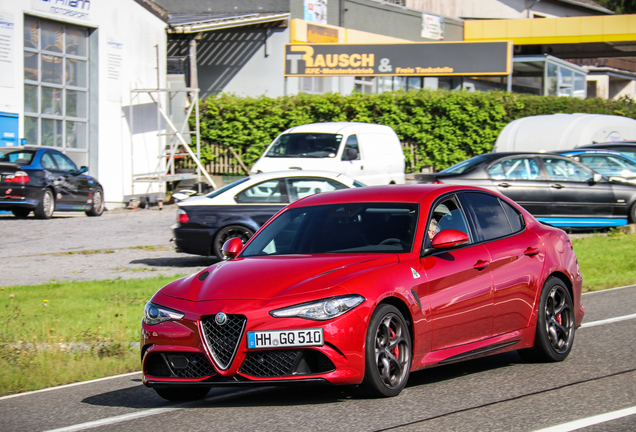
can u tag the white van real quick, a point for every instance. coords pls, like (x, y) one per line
(369, 153)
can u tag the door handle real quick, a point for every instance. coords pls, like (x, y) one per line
(531, 251)
(557, 186)
(504, 185)
(480, 265)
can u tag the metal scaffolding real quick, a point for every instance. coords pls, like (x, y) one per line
(172, 140)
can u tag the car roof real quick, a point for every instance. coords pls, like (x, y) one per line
(576, 152)
(299, 173)
(27, 147)
(610, 143)
(411, 193)
(336, 127)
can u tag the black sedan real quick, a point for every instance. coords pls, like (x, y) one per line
(555, 189)
(42, 180)
(205, 222)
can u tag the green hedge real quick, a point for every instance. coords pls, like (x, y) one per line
(444, 127)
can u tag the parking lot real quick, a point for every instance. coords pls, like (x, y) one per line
(71, 246)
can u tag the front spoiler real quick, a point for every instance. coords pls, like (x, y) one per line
(233, 383)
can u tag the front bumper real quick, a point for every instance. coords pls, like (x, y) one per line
(177, 353)
(196, 241)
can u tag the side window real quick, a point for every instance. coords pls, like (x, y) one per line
(351, 150)
(268, 191)
(490, 218)
(515, 169)
(63, 163)
(563, 169)
(301, 187)
(48, 162)
(515, 218)
(446, 215)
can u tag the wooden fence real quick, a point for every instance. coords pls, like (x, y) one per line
(227, 161)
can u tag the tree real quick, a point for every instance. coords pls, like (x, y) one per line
(619, 6)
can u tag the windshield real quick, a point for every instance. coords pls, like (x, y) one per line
(465, 166)
(338, 228)
(23, 157)
(306, 145)
(226, 187)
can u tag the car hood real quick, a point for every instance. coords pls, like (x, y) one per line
(260, 278)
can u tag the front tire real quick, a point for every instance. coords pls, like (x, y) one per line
(97, 208)
(387, 353)
(46, 206)
(226, 233)
(182, 393)
(555, 325)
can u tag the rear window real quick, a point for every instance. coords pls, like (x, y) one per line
(465, 166)
(21, 157)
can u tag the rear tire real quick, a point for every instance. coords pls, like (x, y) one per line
(388, 353)
(20, 213)
(97, 208)
(226, 233)
(46, 206)
(632, 214)
(555, 325)
(182, 393)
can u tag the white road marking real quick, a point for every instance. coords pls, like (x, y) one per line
(69, 385)
(150, 412)
(608, 290)
(602, 418)
(608, 321)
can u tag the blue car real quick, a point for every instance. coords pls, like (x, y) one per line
(42, 180)
(611, 164)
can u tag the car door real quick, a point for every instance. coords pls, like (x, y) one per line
(352, 159)
(519, 178)
(459, 282)
(574, 192)
(516, 258)
(261, 201)
(70, 184)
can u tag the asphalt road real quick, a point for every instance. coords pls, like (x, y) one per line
(490, 394)
(493, 393)
(71, 246)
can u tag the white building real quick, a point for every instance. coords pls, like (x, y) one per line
(67, 68)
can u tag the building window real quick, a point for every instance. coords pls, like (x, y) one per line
(56, 86)
(315, 85)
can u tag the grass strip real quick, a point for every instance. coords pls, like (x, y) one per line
(105, 316)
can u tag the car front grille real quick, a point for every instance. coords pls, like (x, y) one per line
(222, 340)
(178, 365)
(280, 363)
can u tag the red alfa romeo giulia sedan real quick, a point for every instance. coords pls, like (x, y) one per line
(362, 287)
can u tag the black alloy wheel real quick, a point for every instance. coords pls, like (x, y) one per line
(97, 208)
(387, 354)
(226, 233)
(46, 206)
(555, 325)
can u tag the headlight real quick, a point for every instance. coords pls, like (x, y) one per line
(155, 314)
(320, 310)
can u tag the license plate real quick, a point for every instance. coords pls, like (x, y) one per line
(285, 338)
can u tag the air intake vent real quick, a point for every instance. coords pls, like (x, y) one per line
(222, 339)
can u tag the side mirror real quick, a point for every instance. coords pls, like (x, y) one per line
(449, 238)
(350, 153)
(83, 169)
(597, 177)
(232, 247)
